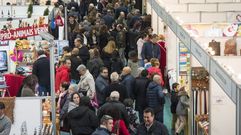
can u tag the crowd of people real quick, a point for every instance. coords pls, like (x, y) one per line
(109, 79)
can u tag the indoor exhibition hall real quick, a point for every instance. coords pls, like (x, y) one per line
(120, 67)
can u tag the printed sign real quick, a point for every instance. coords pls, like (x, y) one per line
(11, 30)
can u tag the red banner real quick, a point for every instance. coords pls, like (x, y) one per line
(24, 32)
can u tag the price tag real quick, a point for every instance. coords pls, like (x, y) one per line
(184, 36)
(200, 54)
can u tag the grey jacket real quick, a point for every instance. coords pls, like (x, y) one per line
(87, 83)
(183, 103)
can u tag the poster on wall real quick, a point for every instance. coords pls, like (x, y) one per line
(184, 60)
(12, 30)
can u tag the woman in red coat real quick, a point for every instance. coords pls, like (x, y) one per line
(120, 128)
(154, 69)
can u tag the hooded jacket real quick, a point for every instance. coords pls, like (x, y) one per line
(82, 121)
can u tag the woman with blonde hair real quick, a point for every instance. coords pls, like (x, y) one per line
(110, 47)
(110, 55)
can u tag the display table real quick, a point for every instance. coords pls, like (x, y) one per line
(14, 83)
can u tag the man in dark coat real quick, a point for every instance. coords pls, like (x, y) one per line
(75, 62)
(108, 18)
(155, 97)
(114, 108)
(100, 84)
(150, 126)
(71, 4)
(116, 86)
(151, 49)
(83, 51)
(129, 81)
(82, 120)
(140, 92)
(41, 68)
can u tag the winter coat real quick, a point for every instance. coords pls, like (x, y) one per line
(27, 92)
(101, 131)
(123, 130)
(134, 67)
(183, 103)
(157, 128)
(75, 62)
(121, 39)
(155, 97)
(84, 54)
(82, 121)
(150, 50)
(174, 101)
(116, 86)
(129, 82)
(87, 84)
(41, 68)
(115, 109)
(108, 20)
(94, 65)
(100, 85)
(154, 70)
(140, 92)
(62, 75)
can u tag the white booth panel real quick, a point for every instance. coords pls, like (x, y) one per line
(222, 111)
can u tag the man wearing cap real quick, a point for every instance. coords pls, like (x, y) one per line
(5, 122)
(86, 83)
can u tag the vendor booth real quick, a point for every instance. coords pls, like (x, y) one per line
(206, 61)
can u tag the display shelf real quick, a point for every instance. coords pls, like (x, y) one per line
(230, 85)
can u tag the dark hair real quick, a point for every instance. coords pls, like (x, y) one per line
(65, 85)
(103, 68)
(84, 101)
(72, 96)
(31, 81)
(174, 85)
(128, 102)
(149, 110)
(105, 118)
(2, 105)
(144, 73)
(66, 48)
(132, 54)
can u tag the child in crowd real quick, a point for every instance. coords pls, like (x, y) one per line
(174, 102)
(133, 63)
(181, 110)
(132, 116)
